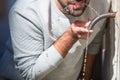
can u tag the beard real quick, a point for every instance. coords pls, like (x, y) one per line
(75, 12)
(71, 11)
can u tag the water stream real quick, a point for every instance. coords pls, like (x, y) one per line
(86, 44)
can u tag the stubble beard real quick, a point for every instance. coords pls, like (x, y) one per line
(70, 11)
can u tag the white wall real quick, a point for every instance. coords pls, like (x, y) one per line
(116, 57)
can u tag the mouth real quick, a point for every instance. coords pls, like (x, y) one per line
(77, 5)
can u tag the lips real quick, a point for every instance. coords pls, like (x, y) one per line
(77, 5)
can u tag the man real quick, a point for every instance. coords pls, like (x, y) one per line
(49, 37)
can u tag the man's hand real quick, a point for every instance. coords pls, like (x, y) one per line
(76, 31)
(79, 29)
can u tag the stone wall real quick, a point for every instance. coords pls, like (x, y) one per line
(111, 63)
(116, 57)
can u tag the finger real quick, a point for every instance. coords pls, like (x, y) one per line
(90, 31)
(83, 37)
(87, 24)
(85, 33)
(84, 30)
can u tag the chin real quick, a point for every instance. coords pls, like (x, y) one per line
(77, 14)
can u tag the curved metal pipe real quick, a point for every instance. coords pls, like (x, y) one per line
(98, 18)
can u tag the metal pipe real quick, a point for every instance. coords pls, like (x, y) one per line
(98, 18)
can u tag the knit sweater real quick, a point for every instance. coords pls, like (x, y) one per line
(35, 25)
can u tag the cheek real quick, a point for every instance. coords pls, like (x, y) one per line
(64, 2)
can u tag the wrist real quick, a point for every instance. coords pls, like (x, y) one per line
(65, 42)
(70, 31)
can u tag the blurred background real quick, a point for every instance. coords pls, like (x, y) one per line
(7, 70)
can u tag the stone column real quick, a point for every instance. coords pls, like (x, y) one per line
(116, 52)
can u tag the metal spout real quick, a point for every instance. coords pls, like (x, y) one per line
(98, 18)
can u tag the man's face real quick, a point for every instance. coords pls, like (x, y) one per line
(74, 7)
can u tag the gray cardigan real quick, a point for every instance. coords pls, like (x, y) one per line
(35, 25)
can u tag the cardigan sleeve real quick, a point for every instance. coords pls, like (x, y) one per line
(31, 60)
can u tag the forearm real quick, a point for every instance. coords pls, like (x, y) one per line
(76, 31)
(65, 42)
